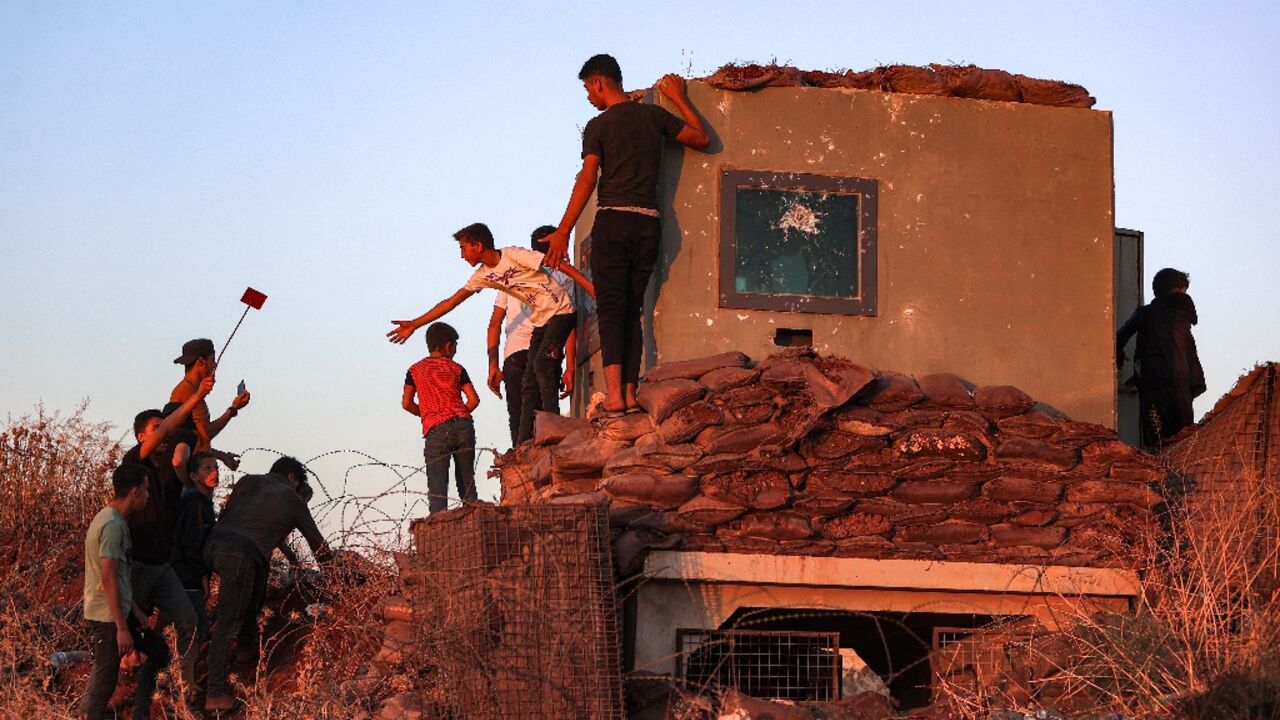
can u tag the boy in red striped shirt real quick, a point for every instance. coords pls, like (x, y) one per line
(444, 400)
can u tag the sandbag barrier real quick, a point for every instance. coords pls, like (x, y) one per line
(816, 455)
(963, 81)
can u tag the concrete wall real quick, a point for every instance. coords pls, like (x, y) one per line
(994, 240)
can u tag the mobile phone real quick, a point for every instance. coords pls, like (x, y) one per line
(240, 388)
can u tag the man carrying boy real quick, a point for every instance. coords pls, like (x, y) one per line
(116, 622)
(198, 362)
(441, 385)
(515, 350)
(623, 146)
(518, 272)
(1166, 364)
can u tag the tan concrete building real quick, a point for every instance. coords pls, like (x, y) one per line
(915, 233)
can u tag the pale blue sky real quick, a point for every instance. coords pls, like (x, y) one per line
(156, 158)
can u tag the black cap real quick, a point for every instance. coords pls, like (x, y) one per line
(193, 350)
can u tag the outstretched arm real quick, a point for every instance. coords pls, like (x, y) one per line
(582, 189)
(237, 403)
(492, 338)
(175, 419)
(405, 328)
(693, 134)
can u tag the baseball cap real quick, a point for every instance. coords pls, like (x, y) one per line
(192, 350)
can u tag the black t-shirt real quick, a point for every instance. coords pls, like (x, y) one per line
(628, 140)
(152, 527)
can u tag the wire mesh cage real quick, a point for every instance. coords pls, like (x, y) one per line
(769, 664)
(519, 617)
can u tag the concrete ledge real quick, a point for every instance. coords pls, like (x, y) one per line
(861, 573)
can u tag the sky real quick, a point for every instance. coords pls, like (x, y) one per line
(158, 157)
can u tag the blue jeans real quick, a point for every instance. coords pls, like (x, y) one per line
(242, 575)
(454, 438)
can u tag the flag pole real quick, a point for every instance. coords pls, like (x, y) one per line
(243, 315)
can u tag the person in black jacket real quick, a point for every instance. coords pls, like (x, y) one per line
(1166, 365)
(195, 516)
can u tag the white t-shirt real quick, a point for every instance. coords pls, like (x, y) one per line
(518, 329)
(520, 273)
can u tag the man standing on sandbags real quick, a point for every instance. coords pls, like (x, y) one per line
(1166, 364)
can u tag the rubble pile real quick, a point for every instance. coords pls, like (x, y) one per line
(963, 81)
(815, 455)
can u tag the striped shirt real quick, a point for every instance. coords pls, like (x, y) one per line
(438, 383)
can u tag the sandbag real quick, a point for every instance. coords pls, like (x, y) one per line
(626, 427)
(624, 512)
(970, 421)
(1075, 429)
(929, 443)
(594, 497)
(828, 381)
(813, 547)
(922, 468)
(630, 460)
(740, 440)
(684, 424)
(1035, 517)
(835, 444)
(933, 491)
(748, 414)
(583, 459)
(675, 457)
(1002, 401)
(1101, 453)
(1033, 424)
(1041, 537)
(667, 492)
(728, 378)
(821, 506)
(849, 483)
(769, 526)
(1072, 514)
(1113, 491)
(697, 367)
(915, 551)
(864, 546)
(569, 487)
(669, 523)
(892, 392)
(660, 399)
(551, 428)
(755, 489)
(751, 76)
(709, 511)
(950, 531)
(747, 395)
(1013, 488)
(914, 80)
(1053, 92)
(974, 472)
(980, 510)
(1024, 451)
(853, 525)
(945, 390)
(900, 513)
(971, 81)
(863, 421)
(719, 463)
(1135, 472)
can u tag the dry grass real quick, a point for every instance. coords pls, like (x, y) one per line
(55, 475)
(1202, 642)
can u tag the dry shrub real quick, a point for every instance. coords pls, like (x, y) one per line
(1203, 640)
(55, 474)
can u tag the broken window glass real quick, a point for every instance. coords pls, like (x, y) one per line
(797, 243)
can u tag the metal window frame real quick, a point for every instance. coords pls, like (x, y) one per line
(867, 190)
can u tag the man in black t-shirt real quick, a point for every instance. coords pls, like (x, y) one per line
(623, 147)
(154, 583)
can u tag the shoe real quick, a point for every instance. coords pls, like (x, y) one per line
(221, 703)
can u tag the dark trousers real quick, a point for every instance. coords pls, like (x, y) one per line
(157, 586)
(540, 389)
(106, 668)
(454, 438)
(242, 578)
(1164, 410)
(512, 379)
(624, 249)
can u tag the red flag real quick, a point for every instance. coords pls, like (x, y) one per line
(253, 298)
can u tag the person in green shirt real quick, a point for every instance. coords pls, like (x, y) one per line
(117, 624)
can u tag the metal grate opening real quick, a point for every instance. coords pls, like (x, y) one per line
(518, 615)
(761, 663)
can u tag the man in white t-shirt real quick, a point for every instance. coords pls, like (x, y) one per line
(517, 272)
(511, 318)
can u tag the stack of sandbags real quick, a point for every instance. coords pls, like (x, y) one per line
(811, 455)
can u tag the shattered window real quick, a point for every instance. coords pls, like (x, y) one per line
(797, 242)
